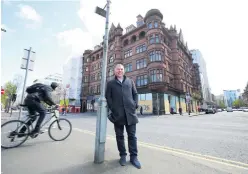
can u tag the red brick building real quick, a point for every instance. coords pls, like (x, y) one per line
(154, 56)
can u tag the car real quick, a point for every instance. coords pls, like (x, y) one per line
(210, 110)
(229, 109)
(245, 109)
(219, 110)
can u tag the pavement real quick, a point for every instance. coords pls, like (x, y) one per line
(75, 156)
(213, 143)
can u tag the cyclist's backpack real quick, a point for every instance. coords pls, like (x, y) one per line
(38, 87)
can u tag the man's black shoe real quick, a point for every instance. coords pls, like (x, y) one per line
(135, 162)
(123, 161)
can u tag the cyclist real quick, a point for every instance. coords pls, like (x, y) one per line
(38, 93)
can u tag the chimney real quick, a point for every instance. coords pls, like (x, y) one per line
(140, 20)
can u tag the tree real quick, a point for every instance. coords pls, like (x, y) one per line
(245, 94)
(238, 103)
(10, 89)
(62, 93)
(222, 104)
(18, 81)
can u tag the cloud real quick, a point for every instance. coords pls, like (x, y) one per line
(75, 39)
(91, 21)
(9, 30)
(29, 13)
(33, 25)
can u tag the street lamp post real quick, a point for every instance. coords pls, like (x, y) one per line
(2, 29)
(101, 124)
(158, 104)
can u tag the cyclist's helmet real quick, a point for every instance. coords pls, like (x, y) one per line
(54, 85)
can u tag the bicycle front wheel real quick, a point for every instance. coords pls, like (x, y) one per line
(14, 133)
(59, 129)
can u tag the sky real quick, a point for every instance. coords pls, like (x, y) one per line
(58, 30)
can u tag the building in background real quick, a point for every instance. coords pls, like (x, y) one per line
(230, 96)
(72, 80)
(56, 95)
(219, 99)
(213, 97)
(157, 58)
(205, 87)
(50, 78)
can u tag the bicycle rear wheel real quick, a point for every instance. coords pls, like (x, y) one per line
(11, 130)
(57, 127)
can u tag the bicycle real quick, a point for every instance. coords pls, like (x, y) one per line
(28, 132)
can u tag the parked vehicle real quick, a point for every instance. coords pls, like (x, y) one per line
(219, 110)
(229, 109)
(211, 110)
(245, 109)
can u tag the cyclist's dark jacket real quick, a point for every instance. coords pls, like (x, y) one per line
(40, 92)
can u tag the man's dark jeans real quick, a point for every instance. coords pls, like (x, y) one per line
(34, 106)
(132, 140)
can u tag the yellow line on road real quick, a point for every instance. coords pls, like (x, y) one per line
(223, 161)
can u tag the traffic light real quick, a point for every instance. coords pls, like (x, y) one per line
(2, 91)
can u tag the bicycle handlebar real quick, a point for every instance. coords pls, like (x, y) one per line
(54, 107)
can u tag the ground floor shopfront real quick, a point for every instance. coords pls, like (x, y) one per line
(151, 102)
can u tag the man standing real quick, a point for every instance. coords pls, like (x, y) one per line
(122, 99)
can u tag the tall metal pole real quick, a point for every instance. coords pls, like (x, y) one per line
(25, 79)
(101, 124)
(157, 105)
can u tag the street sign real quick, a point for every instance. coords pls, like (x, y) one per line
(101, 12)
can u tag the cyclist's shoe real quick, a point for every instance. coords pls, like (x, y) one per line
(42, 131)
(35, 133)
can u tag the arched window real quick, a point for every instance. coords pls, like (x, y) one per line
(150, 25)
(142, 35)
(111, 59)
(125, 43)
(110, 72)
(133, 39)
(156, 24)
(156, 38)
